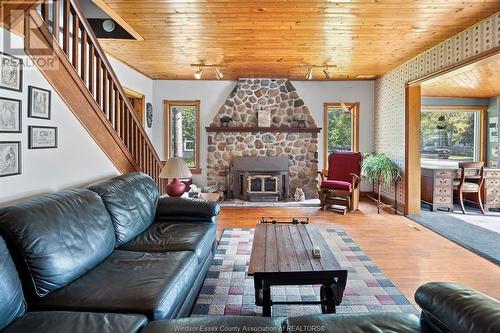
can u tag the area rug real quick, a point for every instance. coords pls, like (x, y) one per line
(470, 231)
(228, 290)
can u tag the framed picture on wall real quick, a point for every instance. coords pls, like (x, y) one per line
(11, 72)
(10, 115)
(10, 158)
(38, 103)
(42, 137)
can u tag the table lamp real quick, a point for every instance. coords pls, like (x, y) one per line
(174, 169)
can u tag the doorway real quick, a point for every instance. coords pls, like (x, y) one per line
(138, 102)
(463, 103)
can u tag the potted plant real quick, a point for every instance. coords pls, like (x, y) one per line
(381, 170)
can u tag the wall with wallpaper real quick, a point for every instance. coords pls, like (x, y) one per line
(390, 88)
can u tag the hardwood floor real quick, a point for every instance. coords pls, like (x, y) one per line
(409, 257)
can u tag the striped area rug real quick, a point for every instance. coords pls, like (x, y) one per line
(228, 290)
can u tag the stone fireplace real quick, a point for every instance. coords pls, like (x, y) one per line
(292, 138)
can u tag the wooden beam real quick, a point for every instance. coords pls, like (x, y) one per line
(412, 150)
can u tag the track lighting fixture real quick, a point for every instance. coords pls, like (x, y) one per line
(309, 74)
(327, 72)
(198, 73)
(218, 74)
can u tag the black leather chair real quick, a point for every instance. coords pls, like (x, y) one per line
(15, 319)
(78, 250)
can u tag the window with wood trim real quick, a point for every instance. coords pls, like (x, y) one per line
(451, 134)
(182, 132)
(341, 122)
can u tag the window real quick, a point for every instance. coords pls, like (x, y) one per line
(182, 138)
(341, 132)
(451, 134)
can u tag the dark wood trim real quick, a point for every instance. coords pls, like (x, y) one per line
(264, 129)
(166, 108)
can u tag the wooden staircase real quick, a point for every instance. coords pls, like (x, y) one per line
(57, 33)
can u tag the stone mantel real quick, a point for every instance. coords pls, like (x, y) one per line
(264, 129)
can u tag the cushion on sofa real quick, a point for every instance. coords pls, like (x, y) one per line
(57, 237)
(186, 210)
(131, 200)
(152, 284)
(455, 308)
(166, 237)
(76, 322)
(12, 303)
(356, 323)
(216, 324)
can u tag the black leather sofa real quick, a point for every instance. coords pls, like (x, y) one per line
(115, 246)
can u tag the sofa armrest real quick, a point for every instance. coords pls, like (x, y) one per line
(186, 210)
(455, 308)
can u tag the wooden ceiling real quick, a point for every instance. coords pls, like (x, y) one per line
(272, 38)
(478, 80)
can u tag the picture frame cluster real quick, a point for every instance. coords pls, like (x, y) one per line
(11, 116)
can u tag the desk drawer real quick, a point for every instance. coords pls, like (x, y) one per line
(442, 199)
(443, 173)
(442, 181)
(443, 191)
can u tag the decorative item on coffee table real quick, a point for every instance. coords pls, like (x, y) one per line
(174, 169)
(294, 254)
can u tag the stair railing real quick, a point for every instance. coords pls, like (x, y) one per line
(74, 35)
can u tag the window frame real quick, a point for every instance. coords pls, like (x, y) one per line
(482, 112)
(354, 106)
(167, 104)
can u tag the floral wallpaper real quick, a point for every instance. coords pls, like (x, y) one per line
(390, 88)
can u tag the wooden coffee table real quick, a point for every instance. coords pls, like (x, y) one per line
(282, 255)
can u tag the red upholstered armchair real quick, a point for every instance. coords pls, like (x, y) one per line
(344, 176)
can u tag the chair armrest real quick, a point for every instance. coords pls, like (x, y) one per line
(186, 210)
(355, 179)
(455, 308)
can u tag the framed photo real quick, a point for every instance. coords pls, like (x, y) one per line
(10, 158)
(38, 103)
(10, 115)
(11, 72)
(42, 137)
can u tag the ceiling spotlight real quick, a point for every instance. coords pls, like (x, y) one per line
(218, 74)
(198, 73)
(108, 25)
(327, 72)
(309, 74)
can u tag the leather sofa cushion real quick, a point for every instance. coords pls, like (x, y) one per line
(57, 237)
(356, 323)
(76, 322)
(166, 237)
(12, 303)
(186, 210)
(131, 200)
(152, 284)
(455, 308)
(215, 324)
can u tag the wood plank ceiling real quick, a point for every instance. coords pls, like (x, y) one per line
(478, 80)
(271, 38)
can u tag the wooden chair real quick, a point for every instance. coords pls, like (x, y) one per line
(470, 181)
(343, 179)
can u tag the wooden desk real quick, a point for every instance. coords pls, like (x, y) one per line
(437, 187)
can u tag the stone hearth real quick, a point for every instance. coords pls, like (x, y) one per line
(286, 108)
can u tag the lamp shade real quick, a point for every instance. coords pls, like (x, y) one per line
(175, 167)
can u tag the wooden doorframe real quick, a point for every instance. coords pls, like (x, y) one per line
(132, 94)
(412, 133)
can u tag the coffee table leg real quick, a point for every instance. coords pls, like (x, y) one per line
(258, 291)
(327, 296)
(267, 303)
